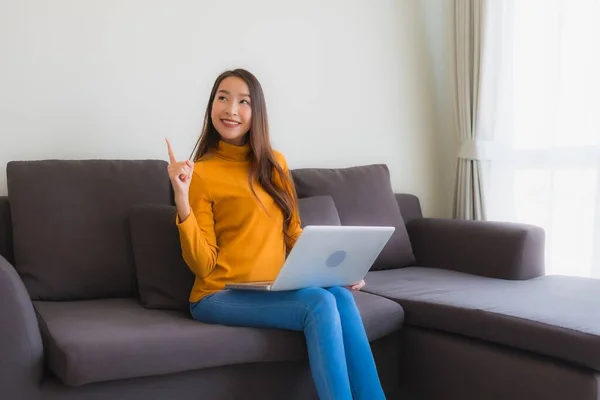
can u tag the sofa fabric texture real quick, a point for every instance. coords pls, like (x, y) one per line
(550, 315)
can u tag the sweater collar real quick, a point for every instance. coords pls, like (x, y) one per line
(231, 152)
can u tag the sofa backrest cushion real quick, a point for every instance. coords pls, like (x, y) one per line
(70, 231)
(318, 210)
(362, 195)
(164, 280)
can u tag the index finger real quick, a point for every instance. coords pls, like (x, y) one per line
(170, 149)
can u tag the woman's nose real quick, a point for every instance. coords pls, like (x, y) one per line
(231, 110)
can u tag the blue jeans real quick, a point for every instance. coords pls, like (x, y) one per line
(339, 353)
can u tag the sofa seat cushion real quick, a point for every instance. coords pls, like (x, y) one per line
(556, 316)
(109, 339)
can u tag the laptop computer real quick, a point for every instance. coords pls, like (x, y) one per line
(326, 256)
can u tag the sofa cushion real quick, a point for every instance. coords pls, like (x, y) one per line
(555, 316)
(318, 210)
(70, 231)
(164, 279)
(362, 195)
(109, 339)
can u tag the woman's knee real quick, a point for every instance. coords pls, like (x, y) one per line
(341, 293)
(318, 299)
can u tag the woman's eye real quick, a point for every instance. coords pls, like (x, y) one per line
(245, 101)
(221, 98)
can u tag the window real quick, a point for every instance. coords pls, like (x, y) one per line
(548, 173)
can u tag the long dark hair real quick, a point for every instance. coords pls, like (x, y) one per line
(263, 165)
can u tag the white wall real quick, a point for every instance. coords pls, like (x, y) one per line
(438, 24)
(347, 82)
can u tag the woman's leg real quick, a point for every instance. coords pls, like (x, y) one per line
(364, 379)
(313, 311)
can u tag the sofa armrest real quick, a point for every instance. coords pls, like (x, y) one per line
(492, 249)
(410, 206)
(21, 349)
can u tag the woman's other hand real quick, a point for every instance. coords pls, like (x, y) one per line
(357, 286)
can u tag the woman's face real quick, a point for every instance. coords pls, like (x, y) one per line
(231, 112)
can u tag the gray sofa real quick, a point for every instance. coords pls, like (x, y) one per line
(93, 296)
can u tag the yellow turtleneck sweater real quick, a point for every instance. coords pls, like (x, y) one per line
(229, 236)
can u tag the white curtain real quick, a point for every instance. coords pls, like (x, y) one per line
(545, 118)
(469, 194)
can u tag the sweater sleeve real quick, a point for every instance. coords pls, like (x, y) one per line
(197, 233)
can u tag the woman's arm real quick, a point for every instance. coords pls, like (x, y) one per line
(197, 230)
